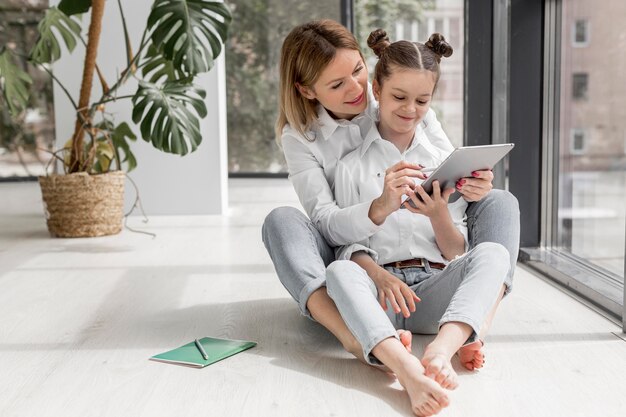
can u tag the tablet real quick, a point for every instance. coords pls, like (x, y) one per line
(462, 162)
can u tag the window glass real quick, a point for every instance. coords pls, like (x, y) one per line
(580, 85)
(252, 59)
(591, 221)
(580, 32)
(26, 138)
(416, 20)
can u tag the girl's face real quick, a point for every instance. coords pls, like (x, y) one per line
(404, 99)
(342, 86)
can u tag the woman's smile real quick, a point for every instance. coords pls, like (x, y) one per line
(357, 101)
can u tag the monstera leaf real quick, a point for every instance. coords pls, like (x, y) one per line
(120, 142)
(157, 67)
(47, 48)
(167, 120)
(181, 30)
(14, 83)
(71, 7)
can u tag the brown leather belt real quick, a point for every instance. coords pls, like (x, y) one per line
(415, 263)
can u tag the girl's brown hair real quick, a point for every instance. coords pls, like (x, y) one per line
(306, 51)
(405, 54)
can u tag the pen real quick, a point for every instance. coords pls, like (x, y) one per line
(201, 349)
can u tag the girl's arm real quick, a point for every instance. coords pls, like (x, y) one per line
(450, 240)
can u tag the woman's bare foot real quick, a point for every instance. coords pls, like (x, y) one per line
(438, 367)
(427, 397)
(471, 355)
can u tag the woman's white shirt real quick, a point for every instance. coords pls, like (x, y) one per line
(360, 176)
(311, 164)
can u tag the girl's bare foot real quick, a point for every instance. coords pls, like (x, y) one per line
(406, 338)
(438, 367)
(471, 355)
(427, 397)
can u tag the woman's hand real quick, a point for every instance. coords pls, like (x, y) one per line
(432, 206)
(475, 188)
(400, 296)
(398, 181)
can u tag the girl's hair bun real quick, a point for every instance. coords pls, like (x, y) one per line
(437, 43)
(378, 41)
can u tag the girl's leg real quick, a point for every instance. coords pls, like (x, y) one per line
(455, 304)
(355, 295)
(300, 256)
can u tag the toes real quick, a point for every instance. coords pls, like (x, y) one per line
(406, 338)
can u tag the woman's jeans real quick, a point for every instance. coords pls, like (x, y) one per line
(301, 255)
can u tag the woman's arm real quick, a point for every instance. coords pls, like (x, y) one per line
(339, 226)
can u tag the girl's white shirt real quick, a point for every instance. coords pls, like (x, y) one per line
(359, 177)
(312, 162)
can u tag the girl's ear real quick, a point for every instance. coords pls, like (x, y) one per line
(305, 91)
(376, 90)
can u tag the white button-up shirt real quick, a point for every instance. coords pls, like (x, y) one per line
(311, 164)
(360, 177)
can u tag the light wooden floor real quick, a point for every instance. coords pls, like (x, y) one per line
(79, 319)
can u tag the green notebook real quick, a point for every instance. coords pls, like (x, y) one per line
(216, 349)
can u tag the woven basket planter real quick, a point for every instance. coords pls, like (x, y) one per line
(83, 205)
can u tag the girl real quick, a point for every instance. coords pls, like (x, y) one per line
(326, 108)
(418, 252)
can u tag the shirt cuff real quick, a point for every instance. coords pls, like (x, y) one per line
(346, 252)
(363, 222)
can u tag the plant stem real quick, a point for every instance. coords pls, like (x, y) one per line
(93, 39)
(67, 93)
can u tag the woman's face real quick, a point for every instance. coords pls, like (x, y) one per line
(342, 86)
(404, 99)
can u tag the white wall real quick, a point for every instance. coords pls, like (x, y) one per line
(168, 184)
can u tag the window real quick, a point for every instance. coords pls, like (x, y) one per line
(580, 84)
(581, 33)
(252, 59)
(584, 234)
(416, 20)
(25, 139)
(578, 141)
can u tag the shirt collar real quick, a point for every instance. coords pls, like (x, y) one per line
(326, 124)
(373, 134)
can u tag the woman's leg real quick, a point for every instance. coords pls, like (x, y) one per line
(300, 256)
(355, 295)
(456, 303)
(495, 218)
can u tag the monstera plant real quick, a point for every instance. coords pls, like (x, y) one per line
(181, 39)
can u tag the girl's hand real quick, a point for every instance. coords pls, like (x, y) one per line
(398, 181)
(430, 206)
(477, 187)
(400, 296)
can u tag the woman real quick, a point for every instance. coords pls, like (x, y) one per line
(326, 108)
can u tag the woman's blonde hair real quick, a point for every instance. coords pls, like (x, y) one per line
(306, 51)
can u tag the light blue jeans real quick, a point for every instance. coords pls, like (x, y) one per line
(465, 291)
(301, 254)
